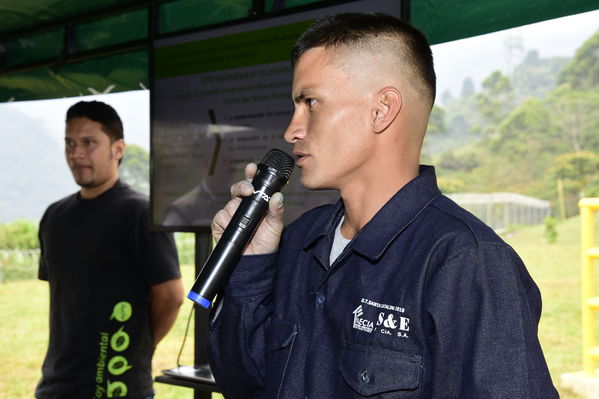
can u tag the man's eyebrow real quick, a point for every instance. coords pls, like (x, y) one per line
(303, 94)
(87, 137)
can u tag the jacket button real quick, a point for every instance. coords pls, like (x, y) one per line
(365, 376)
(320, 299)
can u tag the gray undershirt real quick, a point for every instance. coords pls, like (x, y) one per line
(339, 242)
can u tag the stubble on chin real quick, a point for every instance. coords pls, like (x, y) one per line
(81, 180)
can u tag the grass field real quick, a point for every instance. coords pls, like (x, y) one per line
(555, 268)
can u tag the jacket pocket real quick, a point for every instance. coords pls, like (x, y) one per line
(377, 372)
(280, 340)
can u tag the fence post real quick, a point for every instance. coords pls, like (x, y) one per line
(590, 299)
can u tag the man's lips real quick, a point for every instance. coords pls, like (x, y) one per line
(80, 167)
(300, 157)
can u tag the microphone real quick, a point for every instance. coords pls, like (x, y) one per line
(273, 173)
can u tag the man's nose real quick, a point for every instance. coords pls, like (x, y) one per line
(75, 151)
(297, 129)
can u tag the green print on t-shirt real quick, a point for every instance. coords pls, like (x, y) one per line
(117, 364)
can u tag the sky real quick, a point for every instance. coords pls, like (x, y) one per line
(455, 61)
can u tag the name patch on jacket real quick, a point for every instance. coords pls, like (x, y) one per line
(379, 318)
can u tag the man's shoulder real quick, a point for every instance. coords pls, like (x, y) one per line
(128, 196)
(62, 203)
(453, 218)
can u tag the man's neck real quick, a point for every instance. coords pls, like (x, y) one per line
(96, 191)
(363, 203)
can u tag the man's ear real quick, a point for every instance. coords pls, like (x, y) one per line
(387, 108)
(118, 148)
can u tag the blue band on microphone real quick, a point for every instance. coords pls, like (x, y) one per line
(203, 302)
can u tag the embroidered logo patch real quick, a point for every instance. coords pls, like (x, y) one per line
(374, 317)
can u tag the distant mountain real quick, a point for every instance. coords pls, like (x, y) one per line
(536, 76)
(33, 171)
(533, 77)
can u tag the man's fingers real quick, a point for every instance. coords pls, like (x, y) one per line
(274, 217)
(250, 170)
(244, 188)
(266, 239)
(231, 207)
(241, 189)
(220, 221)
(275, 206)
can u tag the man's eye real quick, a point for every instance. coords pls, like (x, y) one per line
(311, 102)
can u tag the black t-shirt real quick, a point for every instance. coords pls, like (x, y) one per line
(100, 260)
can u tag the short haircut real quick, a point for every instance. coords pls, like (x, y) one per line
(356, 30)
(101, 113)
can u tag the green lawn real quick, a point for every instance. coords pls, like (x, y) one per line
(555, 268)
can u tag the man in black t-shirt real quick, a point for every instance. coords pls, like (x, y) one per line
(115, 287)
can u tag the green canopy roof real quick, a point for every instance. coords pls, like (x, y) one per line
(63, 48)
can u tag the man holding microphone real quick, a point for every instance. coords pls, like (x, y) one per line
(394, 291)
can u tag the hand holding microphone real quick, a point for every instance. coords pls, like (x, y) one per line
(267, 235)
(243, 218)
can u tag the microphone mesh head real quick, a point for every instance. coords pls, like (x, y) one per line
(282, 162)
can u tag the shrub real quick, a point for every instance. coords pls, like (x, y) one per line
(550, 230)
(20, 234)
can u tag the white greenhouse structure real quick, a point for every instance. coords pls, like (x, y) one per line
(502, 210)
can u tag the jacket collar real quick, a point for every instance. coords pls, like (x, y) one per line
(397, 214)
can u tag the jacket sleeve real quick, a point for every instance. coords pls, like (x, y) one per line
(484, 310)
(236, 343)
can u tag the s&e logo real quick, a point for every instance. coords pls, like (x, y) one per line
(390, 324)
(381, 318)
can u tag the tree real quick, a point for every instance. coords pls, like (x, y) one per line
(576, 112)
(447, 185)
(436, 122)
(495, 101)
(583, 71)
(536, 76)
(459, 116)
(446, 96)
(580, 168)
(522, 151)
(467, 87)
(436, 128)
(528, 133)
(20, 234)
(135, 168)
(465, 161)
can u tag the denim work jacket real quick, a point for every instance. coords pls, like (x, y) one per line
(425, 302)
